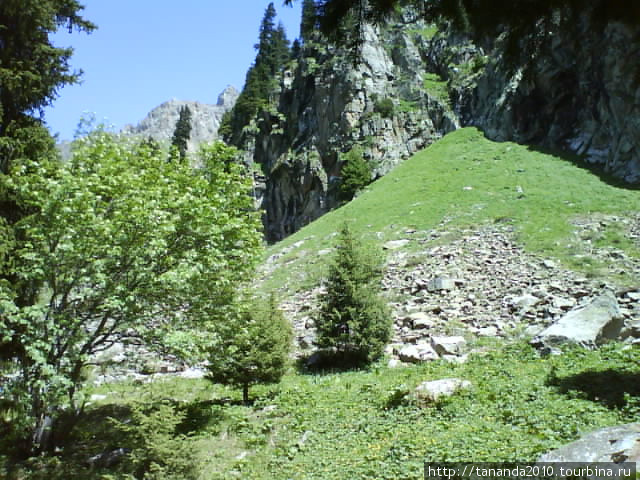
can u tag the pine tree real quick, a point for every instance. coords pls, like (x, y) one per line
(356, 173)
(182, 132)
(309, 20)
(254, 349)
(261, 80)
(353, 320)
(32, 70)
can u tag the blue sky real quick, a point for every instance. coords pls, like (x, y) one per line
(146, 52)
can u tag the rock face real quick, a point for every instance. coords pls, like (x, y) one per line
(583, 97)
(612, 444)
(160, 123)
(327, 104)
(589, 326)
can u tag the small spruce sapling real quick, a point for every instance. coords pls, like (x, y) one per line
(254, 349)
(354, 321)
(356, 173)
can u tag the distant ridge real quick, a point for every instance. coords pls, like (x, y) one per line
(160, 122)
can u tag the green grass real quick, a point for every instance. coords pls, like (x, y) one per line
(360, 425)
(437, 87)
(468, 180)
(427, 32)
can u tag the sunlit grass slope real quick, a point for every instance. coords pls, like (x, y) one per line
(463, 180)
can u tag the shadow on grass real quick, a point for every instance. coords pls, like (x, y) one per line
(329, 362)
(580, 162)
(607, 387)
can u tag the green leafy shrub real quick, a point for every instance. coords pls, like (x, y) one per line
(356, 173)
(157, 451)
(354, 322)
(384, 107)
(254, 349)
(122, 245)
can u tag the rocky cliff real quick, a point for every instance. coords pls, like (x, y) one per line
(327, 104)
(205, 120)
(581, 97)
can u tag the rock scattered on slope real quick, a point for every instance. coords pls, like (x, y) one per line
(428, 393)
(611, 444)
(590, 325)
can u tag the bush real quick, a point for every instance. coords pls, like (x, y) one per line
(356, 173)
(254, 349)
(354, 321)
(384, 107)
(158, 452)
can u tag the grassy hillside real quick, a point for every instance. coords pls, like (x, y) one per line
(357, 424)
(361, 424)
(465, 179)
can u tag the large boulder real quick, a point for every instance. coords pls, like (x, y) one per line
(611, 444)
(421, 352)
(589, 326)
(431, 392)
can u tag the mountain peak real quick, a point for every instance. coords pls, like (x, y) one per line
(228, 97)
(160, 122)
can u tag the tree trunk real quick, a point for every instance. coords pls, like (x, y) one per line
(245, 393)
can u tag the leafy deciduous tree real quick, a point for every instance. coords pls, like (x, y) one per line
(121, 246)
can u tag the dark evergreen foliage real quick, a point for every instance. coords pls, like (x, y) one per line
(356, 173)
(261, 80)
(254, 349)
(182, 132)
(309, 22)
(354, 321)
(32, 70)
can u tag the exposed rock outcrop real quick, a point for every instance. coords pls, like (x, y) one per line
(160, 123)
(589, 326)
(582, 96)
(326, 105)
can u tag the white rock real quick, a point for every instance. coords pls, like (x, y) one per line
(448, 345)
(422, 352)
(432, 391)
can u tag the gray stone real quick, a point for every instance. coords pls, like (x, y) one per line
(421, 352)
(589, 325)
(441, 283)
(420, 320)
(160, 123)
(525, 302)
(432, 391)
(394, 363)
(611, 444)
(395, 244)
(448, 345)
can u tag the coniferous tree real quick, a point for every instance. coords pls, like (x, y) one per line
(182, 132)
(309, 19)
(32, 70)
(272, 54)
(353, 320)
(254, 349)
(355, 173)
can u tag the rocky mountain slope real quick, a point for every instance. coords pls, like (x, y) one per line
(506, 245)
(582, 98)
(160, 123)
